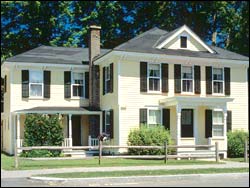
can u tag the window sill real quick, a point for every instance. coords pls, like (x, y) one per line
(154, 92)
(36, 98)
(77, 98)
(218, 94)
(187, 93)
(218, 137)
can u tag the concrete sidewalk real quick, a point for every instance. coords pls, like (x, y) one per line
(29, 173)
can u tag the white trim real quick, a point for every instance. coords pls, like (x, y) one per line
(148, 77)
(187, 37)
(44, 66)
(172, 59)
(42, 84)
(83, 85)
(187, 93)
(190, 32)
(154, 108)
(223, 81)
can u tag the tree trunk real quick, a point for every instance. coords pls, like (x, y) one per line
(214, 35)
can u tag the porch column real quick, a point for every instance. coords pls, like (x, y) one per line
(70, 130)
(178, 127)
(225, 129)
(195, 125)
(101, 123)
(18, 141)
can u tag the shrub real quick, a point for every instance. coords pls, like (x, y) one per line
(148, 136)
(42, 130)
(236, 141)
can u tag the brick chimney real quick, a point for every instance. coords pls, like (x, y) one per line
(94, 77)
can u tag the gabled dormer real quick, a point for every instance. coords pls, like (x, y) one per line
(183, 38)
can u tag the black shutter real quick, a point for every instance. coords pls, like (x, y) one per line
(25, 83)
(103, 80)
(177, 78)
(208, 123)
(229, 120)
(111, 77)
(166, 118)
(197, 78)
(103, 121)
(164, 77)
(5, 83)
(111, 124)
(86, 85)
(227, 80)
(143, 116)
(209, 80)
(67, 84)
(143, 76)
(47, 81)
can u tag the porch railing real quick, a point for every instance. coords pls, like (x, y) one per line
(66, 142)
(93, 141)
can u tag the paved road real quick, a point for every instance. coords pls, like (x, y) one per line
(205, 180)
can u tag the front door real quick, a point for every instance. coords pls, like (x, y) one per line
(187, 123)
(76, 130)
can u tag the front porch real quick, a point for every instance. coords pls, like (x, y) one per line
(81, 126)
(194, 121)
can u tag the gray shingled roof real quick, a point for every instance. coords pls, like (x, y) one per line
(147, 41)
(144, 43)
(55, 55)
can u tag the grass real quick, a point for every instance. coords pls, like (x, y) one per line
(240, 159)
(145, 173)
(7, 163)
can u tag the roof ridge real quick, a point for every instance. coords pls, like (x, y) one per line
(139, 36)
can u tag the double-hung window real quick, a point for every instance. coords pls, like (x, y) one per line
(35, 83)
(107, 79)
(77, 84)
(187, 78)
(107, 122)
(154, 77)
(154, 117)
(218, 80)
(218, 123)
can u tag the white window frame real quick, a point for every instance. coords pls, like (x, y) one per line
(106, 123)
(220, 124)
(72, 84)
(188, 37)
(154, 108)
(223, 82)
(184, 92)
(148, 77)
(30, 83)
(106, 78)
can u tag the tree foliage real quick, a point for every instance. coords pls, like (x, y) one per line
(28, 24)
(42, 130)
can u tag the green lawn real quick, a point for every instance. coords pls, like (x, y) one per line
(7, 163)
(241, 159)
(145, 173)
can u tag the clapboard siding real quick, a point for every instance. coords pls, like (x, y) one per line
(56, 94)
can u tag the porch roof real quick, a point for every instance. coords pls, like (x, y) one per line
(195, 101)
(58, 110)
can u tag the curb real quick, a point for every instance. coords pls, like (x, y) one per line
(135, 177)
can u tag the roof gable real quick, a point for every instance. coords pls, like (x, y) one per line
(172, 41)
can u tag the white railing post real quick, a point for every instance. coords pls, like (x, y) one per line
(89, 141)
(70, 130)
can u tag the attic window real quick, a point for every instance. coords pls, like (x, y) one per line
(183, 42)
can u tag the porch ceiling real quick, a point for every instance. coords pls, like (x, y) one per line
(57, 110)
(195, 101)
